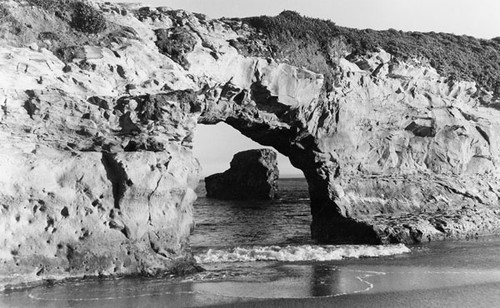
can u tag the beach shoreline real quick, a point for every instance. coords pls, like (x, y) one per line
(459, 274)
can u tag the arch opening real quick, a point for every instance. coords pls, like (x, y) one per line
(298, 157)
(229, 223)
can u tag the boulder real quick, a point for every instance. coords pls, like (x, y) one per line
(253, 175)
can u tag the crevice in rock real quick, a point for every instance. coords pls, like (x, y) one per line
(265, 101)
(151, 195)
(117, 176)
(125, 230)
(128, 127)
(483, 134)
(469, 117)
(32, 104)
(99, 102)
(456, 191)
(421, 130)
(4, 108)
(121, 71)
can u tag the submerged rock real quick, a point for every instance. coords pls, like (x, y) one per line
(253, 175)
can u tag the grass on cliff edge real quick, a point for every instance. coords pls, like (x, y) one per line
(62, 26)
(316, 43)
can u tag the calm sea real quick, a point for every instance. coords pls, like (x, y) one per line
(259, 254)
(225, 224)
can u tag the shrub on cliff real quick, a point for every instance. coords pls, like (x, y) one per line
(459, 57)
(87, 19)
(5, 15)
(8, 24)
(175, 43)
(80, 15)
(51, 5)
(300, 41)
(61, 8)
(316, 44)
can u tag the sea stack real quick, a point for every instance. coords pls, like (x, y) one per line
(253, 175)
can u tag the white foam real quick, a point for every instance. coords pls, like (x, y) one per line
(299, 253)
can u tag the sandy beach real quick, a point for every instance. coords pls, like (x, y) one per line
(451, 274)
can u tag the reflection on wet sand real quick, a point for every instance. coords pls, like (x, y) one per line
(287, 281)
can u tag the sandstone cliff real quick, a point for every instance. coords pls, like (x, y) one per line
(99, 103)
(253, 175)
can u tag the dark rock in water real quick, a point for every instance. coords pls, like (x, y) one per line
(253, 175)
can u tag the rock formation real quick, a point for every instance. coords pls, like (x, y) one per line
(99, 103)
(253, 175)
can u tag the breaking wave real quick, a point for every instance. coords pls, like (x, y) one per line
(298, 253)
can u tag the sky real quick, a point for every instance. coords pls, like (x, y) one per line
(215, 145)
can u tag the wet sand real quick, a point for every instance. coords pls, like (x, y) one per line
(482, 295)
(407, 292)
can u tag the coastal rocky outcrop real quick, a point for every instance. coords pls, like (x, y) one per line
(253, 175)
(99, 103)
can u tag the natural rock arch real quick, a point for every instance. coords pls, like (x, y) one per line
(286, 131)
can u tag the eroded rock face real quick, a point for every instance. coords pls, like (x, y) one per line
(253, 175)
(97, 173)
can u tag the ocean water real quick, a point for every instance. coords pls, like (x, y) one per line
(271, 230)
(259, 254)
(241, 223)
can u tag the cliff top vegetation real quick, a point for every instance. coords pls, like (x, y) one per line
(302, 41)
(316, 43)
(79, 14)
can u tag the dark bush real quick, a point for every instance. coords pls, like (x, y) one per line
(308, 42)
(460, 57)
(80, 15)
(48, 36)
(4, 13)
(86, 18)
(175, 43)
(61, 8)
(8, 24)
(51, 5)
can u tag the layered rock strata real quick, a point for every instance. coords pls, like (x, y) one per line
(253, 175)
(96, 170)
